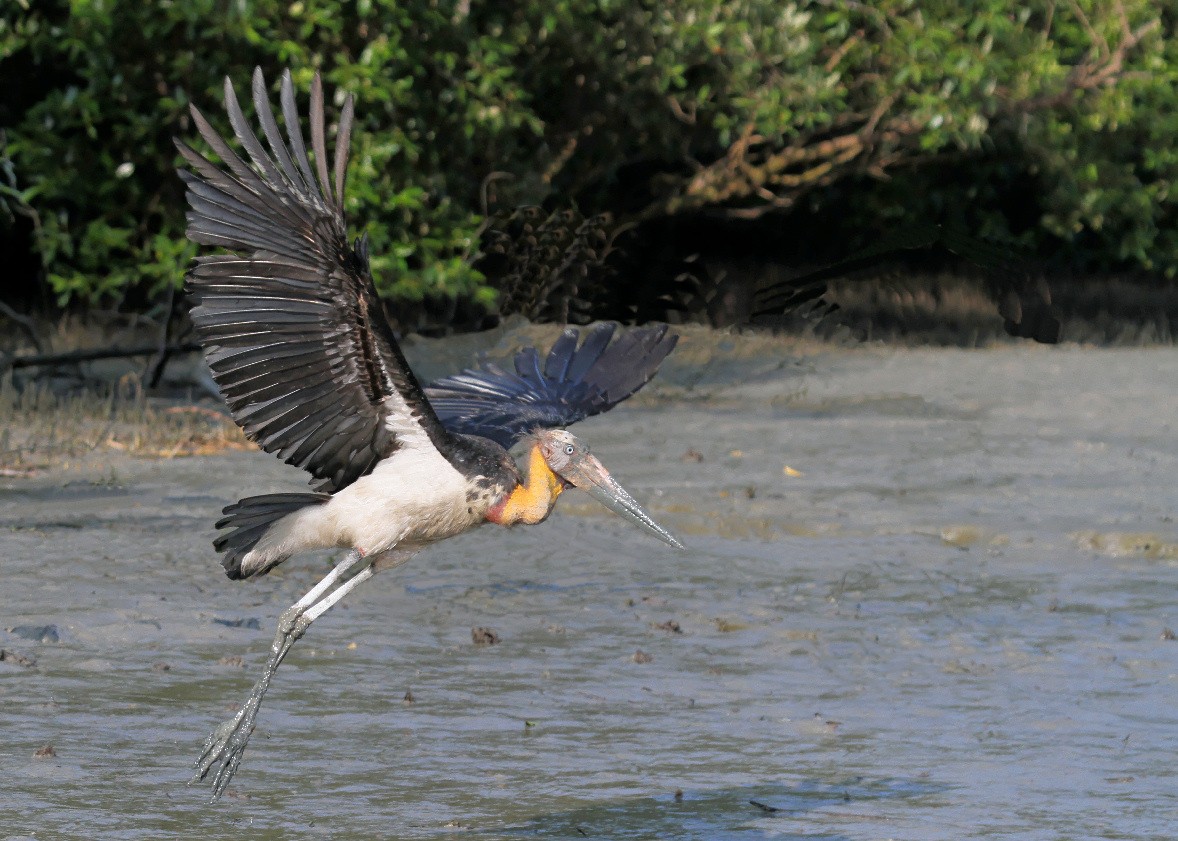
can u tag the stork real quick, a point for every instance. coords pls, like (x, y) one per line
(296, 339)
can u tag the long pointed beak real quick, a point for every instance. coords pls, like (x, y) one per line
(590, 475)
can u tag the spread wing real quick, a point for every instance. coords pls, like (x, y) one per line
(290, 323)
(576, 381)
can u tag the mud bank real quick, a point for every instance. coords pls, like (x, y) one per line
(928, 594)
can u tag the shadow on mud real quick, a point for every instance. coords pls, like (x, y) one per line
(743, 812)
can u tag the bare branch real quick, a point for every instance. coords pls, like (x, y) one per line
(74, 356)
(23, 322)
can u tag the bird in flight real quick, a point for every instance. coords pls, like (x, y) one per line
(296, 339)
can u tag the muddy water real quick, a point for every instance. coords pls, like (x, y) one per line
(950, 617)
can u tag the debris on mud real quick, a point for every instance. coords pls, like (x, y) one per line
(253, 623)
(7, 656)
(483, 636)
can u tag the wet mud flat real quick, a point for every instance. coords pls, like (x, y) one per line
(928, 594)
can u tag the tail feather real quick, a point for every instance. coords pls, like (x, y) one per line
(249, 519)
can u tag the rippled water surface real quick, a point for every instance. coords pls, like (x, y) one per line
(951, 617)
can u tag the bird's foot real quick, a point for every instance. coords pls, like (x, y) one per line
(226, 744)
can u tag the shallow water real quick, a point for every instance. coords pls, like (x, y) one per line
(955, 623)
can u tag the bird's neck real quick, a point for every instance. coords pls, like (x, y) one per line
(531, 501)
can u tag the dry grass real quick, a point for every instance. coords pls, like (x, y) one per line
(41, 429)
(54, 415)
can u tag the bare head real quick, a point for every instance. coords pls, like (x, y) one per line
(569, 458)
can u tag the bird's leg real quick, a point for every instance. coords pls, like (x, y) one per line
(290, 626)
(227, 743)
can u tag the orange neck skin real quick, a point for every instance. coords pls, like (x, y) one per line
(532, 501)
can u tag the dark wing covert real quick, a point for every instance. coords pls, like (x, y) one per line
(290, 322)
(575, 382)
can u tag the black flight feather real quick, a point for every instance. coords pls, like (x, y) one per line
(576, 381)
(290, 322)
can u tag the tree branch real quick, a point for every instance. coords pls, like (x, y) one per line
(74, 356)
(752, 168)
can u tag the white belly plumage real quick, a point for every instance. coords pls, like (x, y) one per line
(412, 498)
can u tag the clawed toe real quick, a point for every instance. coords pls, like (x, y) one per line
(224, 747)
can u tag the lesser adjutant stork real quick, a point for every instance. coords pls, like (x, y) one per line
(297, 342)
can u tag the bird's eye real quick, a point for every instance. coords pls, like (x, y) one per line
(569, 449)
